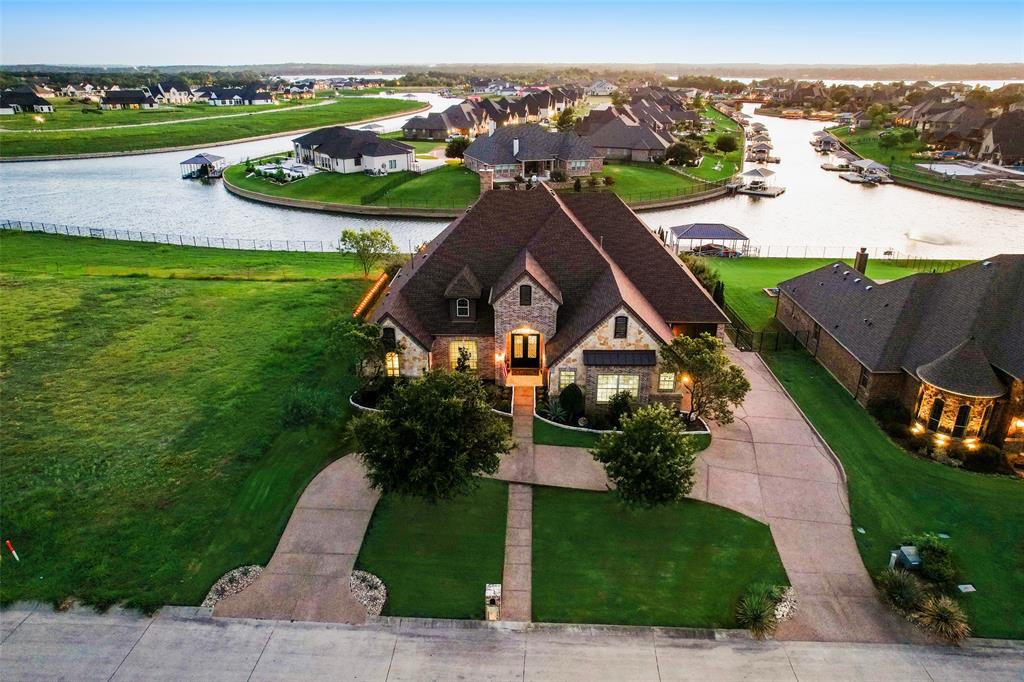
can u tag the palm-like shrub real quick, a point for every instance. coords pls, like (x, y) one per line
(902, 590)
(944, 617)
(756, 611)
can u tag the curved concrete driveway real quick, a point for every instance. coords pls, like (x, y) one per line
(307, 578)
(771, 465)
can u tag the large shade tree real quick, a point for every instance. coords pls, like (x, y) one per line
(431, 437)
(716, 385)
(651, 461)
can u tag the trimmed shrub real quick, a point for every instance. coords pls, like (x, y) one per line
(621, 405)
(888, 411)
(572, 402)
(936, 559)
(609, 180)
(901, 590)
(985, 458)
(577, 185)
(558, 175)
(944, 617)
(756, 611)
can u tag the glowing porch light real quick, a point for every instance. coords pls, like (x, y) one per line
(917, 428)
(686, 378)
(1019, 423)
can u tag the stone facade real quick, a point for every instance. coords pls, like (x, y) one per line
(539, 316)
(603, 338)
(949, 411)
(413, 359)
(441, 358)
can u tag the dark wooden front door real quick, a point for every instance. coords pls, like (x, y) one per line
(525, 351)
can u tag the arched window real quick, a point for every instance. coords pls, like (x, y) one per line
(621, 325)
(462, 307)
(525, 294)
(963, 416)
(936, 414)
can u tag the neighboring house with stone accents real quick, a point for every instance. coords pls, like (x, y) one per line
(547, 289)
(949, 347)
(530, 149)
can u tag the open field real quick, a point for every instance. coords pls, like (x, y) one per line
(745, 278)
(145, 449)
(687, 564)
(894, 495)
(447, 187)
(205, 131)
(436, 558)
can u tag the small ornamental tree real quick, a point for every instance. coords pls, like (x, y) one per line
(360, 347)
(456, 148)
(716, 385)
(566, 120)
(680, 154)
(431, 437)
(370, 246)
(651, 461)
(726, 143)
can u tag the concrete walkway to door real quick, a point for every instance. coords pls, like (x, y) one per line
(308, 576)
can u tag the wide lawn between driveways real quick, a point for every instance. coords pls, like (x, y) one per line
(894, 495)
(687, 564)
(436, 559)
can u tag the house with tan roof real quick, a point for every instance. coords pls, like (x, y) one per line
(948, 347)
(547, 289)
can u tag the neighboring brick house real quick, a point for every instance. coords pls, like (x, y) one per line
(551, 289)
(949, 347)
(530, 149)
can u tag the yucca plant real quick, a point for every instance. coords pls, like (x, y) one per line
(756, 611)
(902, 590)
(944, 617)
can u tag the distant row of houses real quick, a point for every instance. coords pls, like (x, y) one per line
(641, 130)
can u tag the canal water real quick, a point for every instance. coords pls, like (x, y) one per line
(819, 213)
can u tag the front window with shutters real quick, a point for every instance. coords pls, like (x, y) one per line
(610, 384)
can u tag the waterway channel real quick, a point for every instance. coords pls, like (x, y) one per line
(819, 213)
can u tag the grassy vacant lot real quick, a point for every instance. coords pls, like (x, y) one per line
(436, 558)
(206, 131)
(648, 182)
(596, 561)
(447, 187)
(143, 442)
(894, 495)
(745, 278)
(67, 114)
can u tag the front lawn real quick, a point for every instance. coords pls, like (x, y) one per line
(635, 182)
(687, 564)
(435, 559)
(447, 187)
(143, 389)
(894, 495)
(187, 132)
(746, 278)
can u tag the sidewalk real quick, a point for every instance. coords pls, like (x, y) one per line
(184, 644)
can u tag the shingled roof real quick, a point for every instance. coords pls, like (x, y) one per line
(588, 250)
(917, 322)
(535, 144)
(339, 142)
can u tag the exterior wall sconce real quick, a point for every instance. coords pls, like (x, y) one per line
(917, 428)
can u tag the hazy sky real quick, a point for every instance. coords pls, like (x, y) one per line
(155, 32)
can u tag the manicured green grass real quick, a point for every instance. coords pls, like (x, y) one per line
(447, 187)
(687, 564)
(144, 451)
(422, 147)
(435, 559)
(647, 182)
(716, 165)
(208, 131)
(745, 279)
(866, 143)
(67, 114)
(894, 495)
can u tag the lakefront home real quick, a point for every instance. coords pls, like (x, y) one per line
(345, 150)
(529, 149)
(577, 290)
(948, 347)
(17, 102)
(128, 99)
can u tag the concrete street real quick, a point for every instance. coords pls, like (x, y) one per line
(186, 644)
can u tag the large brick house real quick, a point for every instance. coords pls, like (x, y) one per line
(530, 149)
(949, 347)
(541, 288)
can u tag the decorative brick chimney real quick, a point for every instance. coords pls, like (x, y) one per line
(486, 180)
(860, 261)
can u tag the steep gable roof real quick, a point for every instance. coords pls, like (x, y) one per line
(464, 285)
(524, 264)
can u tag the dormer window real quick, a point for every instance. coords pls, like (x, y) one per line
(525, 294)
(462, 307)
(621, 326)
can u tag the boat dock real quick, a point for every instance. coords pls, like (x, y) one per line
(767, 191)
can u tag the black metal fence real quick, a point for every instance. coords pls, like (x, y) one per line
(304, 245)
(765, 340)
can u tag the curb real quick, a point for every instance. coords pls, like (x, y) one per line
(181, 148)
